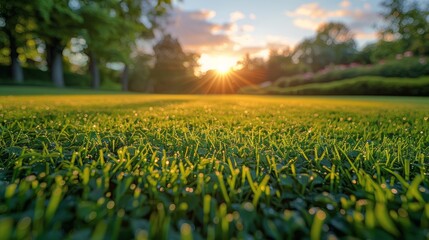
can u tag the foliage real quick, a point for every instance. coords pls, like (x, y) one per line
(380, 51)
(333, 44)
(140, 80)
(366, 85)
(174, 70)
(280, 64)
(109, 27)
(168, 167)
(407, 21)
(406, 67)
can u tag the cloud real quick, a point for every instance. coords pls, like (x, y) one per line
(314, 11)
(203, 14)
(345, 4)
(247, 28)
(310, 16)
(194, 30)
(309, 24)
(198, 33)
(235, 16)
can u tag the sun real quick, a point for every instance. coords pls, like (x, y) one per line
(223, 68)
(220, 63)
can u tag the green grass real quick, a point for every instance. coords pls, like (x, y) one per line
(167, 167)
(355, 86)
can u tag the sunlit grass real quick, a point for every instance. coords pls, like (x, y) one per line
(131, 166)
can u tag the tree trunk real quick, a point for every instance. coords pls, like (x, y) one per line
(15, 66)
(56, 64)
(124, 78)
(49, 51)
(94, 71)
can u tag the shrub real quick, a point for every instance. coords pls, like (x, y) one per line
(368, 85)
(407, 67)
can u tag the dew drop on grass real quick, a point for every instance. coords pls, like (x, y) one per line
(172, 207)
(313, 210)
(321, 215)
(101, 200)
(110, 205)
(248, 206)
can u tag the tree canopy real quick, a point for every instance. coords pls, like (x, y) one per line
(333, 44)
(110, 29)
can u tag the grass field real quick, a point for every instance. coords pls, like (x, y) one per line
(218, 167)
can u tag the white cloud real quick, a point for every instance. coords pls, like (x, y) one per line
(247, 28)
(310, 16)
(252, 16)
(237, 15)
(309, 24)
(314, 11)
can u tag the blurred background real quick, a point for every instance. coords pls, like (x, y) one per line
(344, 47)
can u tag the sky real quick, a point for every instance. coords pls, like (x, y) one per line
(222, 31)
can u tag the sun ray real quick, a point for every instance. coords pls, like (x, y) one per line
(220, 63)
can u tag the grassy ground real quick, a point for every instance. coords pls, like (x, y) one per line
(219, 167)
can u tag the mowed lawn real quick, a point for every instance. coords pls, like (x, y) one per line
(215, 167)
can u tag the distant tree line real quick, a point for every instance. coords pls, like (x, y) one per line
(37, 32)
(405, 30)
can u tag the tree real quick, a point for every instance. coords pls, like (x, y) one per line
(280, 63)
(174, 70)
(139, 79)
(333, 44)
(14, 16)
(100, 28)
(111, 29)
(57, 23)
(407, 21)
(131, 13)
(252, 71)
